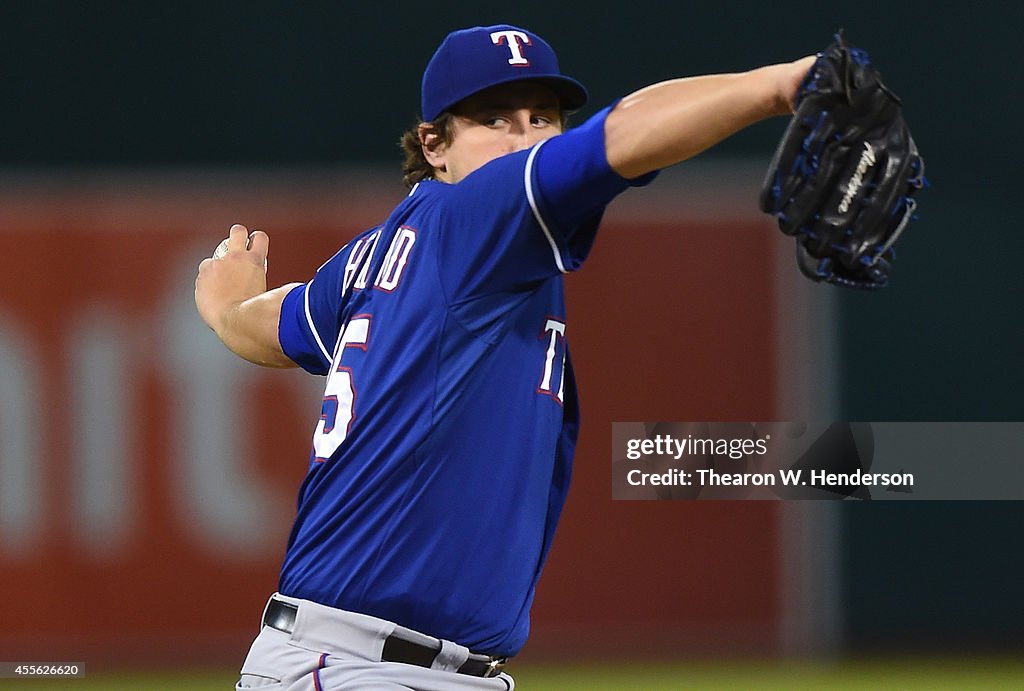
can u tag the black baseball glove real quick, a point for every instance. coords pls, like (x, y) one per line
(843, 178)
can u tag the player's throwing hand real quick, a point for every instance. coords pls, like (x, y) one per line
(232, 286)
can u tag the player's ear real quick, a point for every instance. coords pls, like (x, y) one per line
(433, 145)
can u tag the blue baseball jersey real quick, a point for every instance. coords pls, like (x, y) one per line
(442, 457)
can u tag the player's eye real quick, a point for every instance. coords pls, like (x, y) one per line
(540, 121)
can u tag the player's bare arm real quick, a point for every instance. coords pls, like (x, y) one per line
(671, 121)
(233, 300)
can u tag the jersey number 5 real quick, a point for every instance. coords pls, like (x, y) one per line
(337, 412)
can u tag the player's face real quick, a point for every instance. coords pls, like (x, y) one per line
(498, 121)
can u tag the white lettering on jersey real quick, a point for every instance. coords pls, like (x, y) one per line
(360, 248)
(364, 273)
(515, 40)
(396, 259)
(554, 331)
(361, 257)
(338, 409)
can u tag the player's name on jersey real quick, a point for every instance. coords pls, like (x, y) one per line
(395, 260)
(708, 477)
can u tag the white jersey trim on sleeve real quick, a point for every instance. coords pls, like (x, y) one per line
(527, 181)
(312, 326)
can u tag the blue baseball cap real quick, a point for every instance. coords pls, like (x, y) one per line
(471, 60)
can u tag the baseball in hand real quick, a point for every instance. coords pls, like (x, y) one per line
(222, 250)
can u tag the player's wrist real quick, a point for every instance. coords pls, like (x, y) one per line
(249, 327)
(770, 84)
(792, 76)
(225, 319)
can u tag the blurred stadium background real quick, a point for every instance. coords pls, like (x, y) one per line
(147, 480)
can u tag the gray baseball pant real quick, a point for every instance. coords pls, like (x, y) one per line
(329, 649)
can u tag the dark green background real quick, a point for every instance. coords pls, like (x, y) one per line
(334, 83)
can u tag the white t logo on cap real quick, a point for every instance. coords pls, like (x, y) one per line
(515, 40)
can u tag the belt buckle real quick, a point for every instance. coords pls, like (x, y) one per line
(494, 666)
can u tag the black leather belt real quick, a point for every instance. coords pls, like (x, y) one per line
(281, 616)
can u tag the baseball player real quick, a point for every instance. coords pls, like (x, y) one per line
(442, 455)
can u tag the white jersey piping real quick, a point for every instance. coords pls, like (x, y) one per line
(536, 211)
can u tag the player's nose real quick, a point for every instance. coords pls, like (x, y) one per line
(519, 132)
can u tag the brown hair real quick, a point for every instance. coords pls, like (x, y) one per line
(416, 168)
